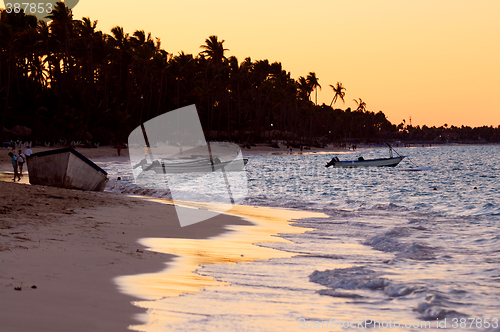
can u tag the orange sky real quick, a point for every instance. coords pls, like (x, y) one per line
(436, 61)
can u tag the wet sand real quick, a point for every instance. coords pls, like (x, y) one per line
(75, 261)
(71, 245)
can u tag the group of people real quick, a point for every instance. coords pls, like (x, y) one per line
(18, 161)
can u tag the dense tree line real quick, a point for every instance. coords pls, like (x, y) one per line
(68, 80)
(445, 134)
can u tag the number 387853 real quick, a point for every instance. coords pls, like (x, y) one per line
(29, 7)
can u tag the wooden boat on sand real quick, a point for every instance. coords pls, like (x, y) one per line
(66, 168)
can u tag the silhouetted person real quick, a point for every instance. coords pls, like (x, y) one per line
(21, 158)
(27, 153)
(13, 159)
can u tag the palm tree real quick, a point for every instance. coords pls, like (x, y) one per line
(214, 49)
(304, 89)
(88, 46)
(313, 83)
(41, 52)
(339, 92)
(361, 105)
(144, 49)
(61, 29)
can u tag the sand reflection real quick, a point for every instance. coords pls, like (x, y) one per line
(235, 246)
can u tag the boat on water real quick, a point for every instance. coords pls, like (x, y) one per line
(361, 162)
(390, 162)
(170, 153)
(66, 168)
(194, 166)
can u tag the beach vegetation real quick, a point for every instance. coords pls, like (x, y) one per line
(68, 81)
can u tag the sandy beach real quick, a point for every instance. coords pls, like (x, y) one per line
(109, 153)
(66, 253)
(87, 261)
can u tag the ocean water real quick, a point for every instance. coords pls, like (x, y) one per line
(398, 247)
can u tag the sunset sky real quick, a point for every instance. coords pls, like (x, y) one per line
(436, 61)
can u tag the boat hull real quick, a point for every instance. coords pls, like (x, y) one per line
(66, 168)
(387, 162)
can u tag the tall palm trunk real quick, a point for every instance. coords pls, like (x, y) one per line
(10, 69)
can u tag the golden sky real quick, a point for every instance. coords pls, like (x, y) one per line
(437, 61)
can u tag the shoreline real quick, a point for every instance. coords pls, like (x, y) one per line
(105, 154)
(76, 247)
(240, 244)
(57, 241)
(71, 245)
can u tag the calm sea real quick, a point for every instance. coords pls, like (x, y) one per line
(398, 247)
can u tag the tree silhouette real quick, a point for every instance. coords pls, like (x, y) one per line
(67, 80)
(361, 105)
(313, 83)
(214, 50)
(339, 92)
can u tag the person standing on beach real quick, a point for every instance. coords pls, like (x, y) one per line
(13, 159)
(20, 161)
(28, 153)
(119, 149)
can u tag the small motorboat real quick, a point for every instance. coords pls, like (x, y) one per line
(192, 166)
(390, 162)
(361, 162)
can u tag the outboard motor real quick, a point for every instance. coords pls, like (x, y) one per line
(331, 163)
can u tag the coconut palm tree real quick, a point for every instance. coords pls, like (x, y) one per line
(214, 50)
(304, 89)
(339, 92)
(361, 105)
(313, 83)
(144, 49)
(88, 45)
(106, 84)
(61, 29)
